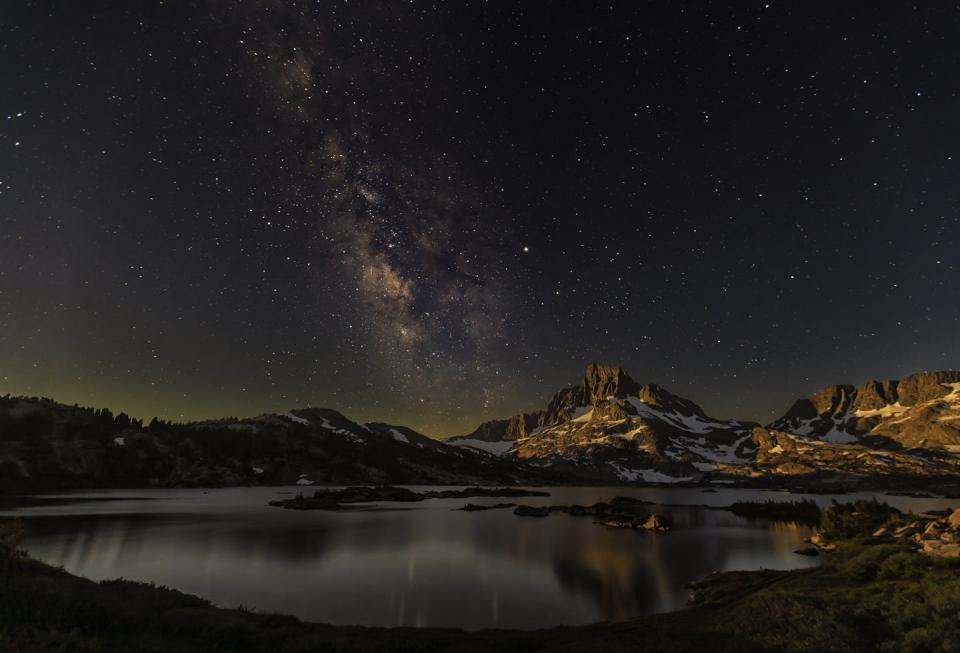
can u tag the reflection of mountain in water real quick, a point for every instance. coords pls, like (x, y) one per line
(434, 565)
(629, 573)
(622, 586)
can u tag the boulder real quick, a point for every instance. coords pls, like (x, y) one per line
(931, 532)
(954, 520)
(941, 549)
(909, 529)
(656, 523)
(638, 522)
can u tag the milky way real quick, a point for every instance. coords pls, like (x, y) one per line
(434, 215)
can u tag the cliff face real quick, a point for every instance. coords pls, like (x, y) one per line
(512, 428)
(612, 429)
(610, 422)
(784, 454)
(920, 410)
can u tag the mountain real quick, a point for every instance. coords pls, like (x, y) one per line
(45, 444)
(611, 428)
(786, 455)
(902, 434)
(918, 411)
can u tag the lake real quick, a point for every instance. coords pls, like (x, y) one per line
(417, 564)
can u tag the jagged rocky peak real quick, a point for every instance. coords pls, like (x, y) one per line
(874, 395)
(656, 395)
(600, 383)
(802, 409)
(919, 410)
(603, 381)
(497, 430)
(925, 386)
(833, 399)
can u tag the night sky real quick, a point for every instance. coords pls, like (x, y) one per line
(438, 213)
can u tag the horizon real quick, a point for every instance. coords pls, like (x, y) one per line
(145, 417)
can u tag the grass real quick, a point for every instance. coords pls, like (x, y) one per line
(866, 597)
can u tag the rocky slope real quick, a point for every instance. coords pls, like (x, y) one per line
(816, 463)
(44, 444)
(918, 411)
(611, 428)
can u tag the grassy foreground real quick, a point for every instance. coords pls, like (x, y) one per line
(866, 597)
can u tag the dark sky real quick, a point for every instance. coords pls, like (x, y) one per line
(437, 213)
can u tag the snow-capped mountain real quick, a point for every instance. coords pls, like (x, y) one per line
(918, 411)
(611, 426)
(606, 429)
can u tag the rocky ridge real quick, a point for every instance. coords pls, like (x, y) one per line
(918, 411)
(44, 444)
(902, 434)
(611, 427)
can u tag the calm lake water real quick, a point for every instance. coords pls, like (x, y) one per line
(419, 564)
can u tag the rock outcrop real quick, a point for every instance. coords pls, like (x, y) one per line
(918, 411)
(784, 454)
(933, 534)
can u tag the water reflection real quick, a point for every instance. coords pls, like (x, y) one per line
(425, 565)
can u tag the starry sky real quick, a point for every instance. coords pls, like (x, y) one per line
(438, 213)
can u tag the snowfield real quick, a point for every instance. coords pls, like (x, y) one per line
(496, 448)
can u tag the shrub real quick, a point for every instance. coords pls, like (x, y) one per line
(867, 563)
(857, 519)
(12, 533)
(903, 565)
(801, 512)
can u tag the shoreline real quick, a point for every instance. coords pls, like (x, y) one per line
(41, 606)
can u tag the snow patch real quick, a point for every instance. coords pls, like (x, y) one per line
(646, 475)
(717, 453)
(257, 470)
(800, 427)
(120, 441)
(692, 423)
(954, 396)
(294, 418)
(836, 436)
(498, 448)
(889, 410)
(327, 424)
(582, 414)
(398, 436)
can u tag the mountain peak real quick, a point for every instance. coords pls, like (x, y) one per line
(602, 381)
